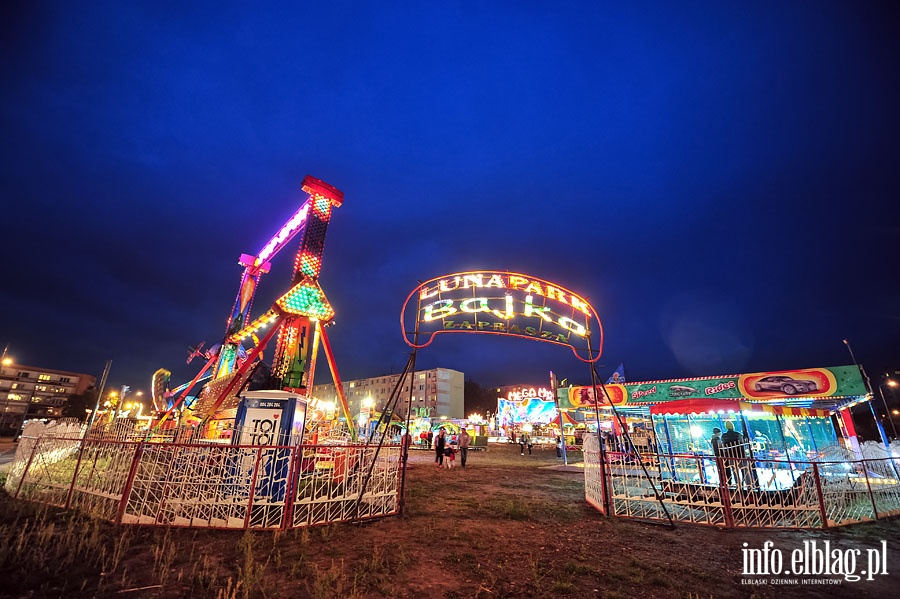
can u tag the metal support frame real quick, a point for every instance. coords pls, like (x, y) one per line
(597, 382)
(336, 377)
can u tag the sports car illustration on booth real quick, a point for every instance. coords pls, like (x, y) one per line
(785, 384)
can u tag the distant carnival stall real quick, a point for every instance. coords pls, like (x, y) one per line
(762, 450)
(810, 406)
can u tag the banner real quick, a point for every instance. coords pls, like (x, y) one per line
(618, 376)
(812, 383)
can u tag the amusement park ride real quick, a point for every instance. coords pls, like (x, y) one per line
(299, 319)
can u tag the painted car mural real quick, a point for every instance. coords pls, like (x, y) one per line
(785, 384)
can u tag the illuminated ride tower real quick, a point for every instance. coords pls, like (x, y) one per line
(299, 316)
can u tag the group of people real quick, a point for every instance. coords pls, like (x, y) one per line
(445, 450)
(731, 454)
(525, 441)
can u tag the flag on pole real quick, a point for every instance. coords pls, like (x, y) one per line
(618, 376)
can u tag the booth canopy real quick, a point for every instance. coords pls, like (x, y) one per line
(821, 388)
(725, 406)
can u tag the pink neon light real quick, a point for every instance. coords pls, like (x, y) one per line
(287, 232)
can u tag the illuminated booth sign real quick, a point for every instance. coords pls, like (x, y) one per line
(503, 303)
(527, 405)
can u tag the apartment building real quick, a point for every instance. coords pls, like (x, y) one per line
(436, 393)
(33, 392)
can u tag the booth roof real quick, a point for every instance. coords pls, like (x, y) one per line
(724, 406)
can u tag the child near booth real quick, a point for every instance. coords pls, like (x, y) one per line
(449, 455)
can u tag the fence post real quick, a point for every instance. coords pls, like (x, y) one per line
(288, 515)
(724, 493)
(27, 465)
(75, 474)
(250, 496)
(823, 513)
(604, 482)
(869, 487)
(129, 482)
(173, 454)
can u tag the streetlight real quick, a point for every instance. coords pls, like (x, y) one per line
(887, 412)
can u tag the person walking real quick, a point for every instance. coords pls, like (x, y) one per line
(440, 442)
(463, 440)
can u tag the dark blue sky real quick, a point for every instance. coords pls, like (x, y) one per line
(719, 179)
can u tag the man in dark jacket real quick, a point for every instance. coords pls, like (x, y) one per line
(733, 444)
(440, 441)
(722, 465)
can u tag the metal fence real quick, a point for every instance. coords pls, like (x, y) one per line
(741, 493)
(209, 485)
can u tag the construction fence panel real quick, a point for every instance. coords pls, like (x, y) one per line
(884, 483)
(344, 483)
(860, 491)
(101, 472)
(593, 474)
(45, 475)
(210, 485)
(742, 493)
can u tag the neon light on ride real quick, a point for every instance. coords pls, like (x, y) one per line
(285, 234)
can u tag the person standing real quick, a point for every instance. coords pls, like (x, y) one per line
(440, 442)
(742, 470)
(716, 443)
(429, 438)
(405, 442)
(464, 440)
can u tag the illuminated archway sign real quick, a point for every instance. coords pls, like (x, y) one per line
(502, 303)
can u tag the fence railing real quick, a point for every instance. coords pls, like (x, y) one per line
(741, 493)
(210, 485)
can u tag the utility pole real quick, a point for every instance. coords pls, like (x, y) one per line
(868, 385)
(99, 397)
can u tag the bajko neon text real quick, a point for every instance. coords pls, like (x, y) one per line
(512, 282)
(474, 305)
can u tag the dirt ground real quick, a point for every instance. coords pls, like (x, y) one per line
(506, 526)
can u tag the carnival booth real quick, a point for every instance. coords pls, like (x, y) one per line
(778, 441)
(774, 432)
(794, 414)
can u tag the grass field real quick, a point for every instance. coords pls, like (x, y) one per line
(506, 526)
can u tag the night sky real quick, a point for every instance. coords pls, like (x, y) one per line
(720, 180)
